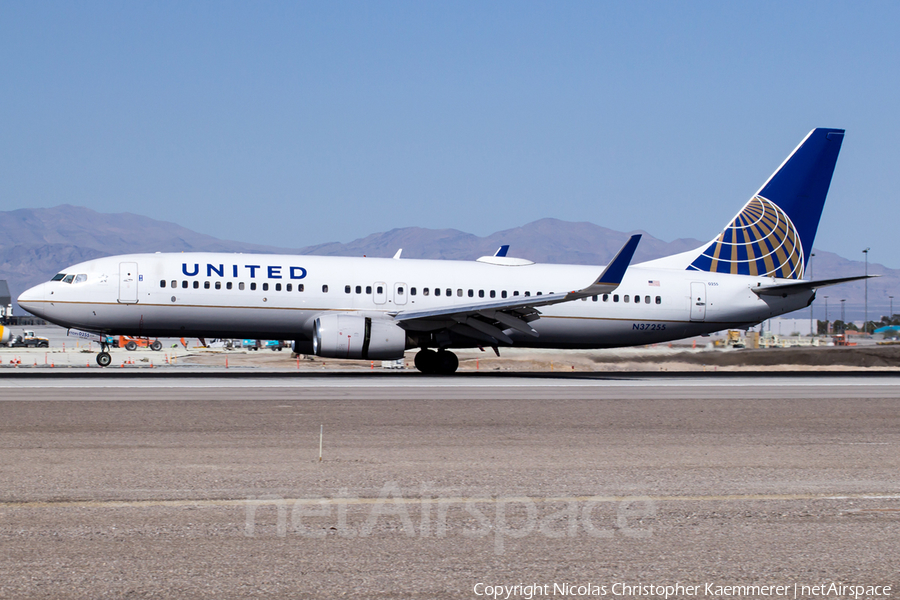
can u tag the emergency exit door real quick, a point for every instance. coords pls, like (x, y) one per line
(379, 294)
(399, 293)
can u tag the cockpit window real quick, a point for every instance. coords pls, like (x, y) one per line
(80, 278)
(68, 279)
(58, 277)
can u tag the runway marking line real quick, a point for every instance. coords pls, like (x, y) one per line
(270, 500)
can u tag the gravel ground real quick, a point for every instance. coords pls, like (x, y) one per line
(425, 493)
(661, 358)
(71, 353)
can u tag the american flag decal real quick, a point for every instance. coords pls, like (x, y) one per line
(653, 282)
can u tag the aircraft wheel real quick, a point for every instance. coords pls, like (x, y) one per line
(156, 346)
(426, 361)
(103, 359)
(447, 362)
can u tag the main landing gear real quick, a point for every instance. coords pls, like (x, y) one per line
(103, 359)
(441, 362)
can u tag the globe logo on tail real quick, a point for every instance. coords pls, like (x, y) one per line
(760, 241)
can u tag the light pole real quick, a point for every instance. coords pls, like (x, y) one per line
(811, 331)
(826, 316)
(843, 322)
(891, 317)
(866, 321)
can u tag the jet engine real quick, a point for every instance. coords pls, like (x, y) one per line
(5, 335)
(355, 336)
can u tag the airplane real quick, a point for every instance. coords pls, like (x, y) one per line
(377, 308)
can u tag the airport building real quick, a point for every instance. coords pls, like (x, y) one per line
(785, 327)
(6, 310)
(5, 301)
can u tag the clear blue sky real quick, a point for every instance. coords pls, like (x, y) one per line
(298, 123)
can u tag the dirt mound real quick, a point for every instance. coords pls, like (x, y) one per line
(873, 356)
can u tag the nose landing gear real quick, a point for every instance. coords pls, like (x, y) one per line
(103, 359)
(441, 362)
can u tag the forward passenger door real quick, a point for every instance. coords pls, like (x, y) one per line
(128, 283)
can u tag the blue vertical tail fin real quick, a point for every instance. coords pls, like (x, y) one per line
(773, 234)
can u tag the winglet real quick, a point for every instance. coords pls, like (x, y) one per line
(614, 272)
(502, 250)
(397, 256)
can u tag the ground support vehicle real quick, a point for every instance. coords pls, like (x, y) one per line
(132, 343)
(29, 340)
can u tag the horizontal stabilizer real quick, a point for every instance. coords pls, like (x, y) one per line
(787, 289)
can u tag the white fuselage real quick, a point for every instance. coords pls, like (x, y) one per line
(210, 295)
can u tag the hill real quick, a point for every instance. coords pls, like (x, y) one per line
(39, 242)
(544, 241)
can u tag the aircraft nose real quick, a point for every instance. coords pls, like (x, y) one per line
(32, 299)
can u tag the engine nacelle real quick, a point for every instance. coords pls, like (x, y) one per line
(355, 336)
(5, 335)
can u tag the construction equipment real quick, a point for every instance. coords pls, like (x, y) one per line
(733, 339)
(841, 340)
(132, 343)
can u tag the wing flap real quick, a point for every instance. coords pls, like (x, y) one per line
(510, 321)
(487, 328)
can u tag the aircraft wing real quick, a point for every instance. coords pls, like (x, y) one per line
(487, 320)
(786, 289)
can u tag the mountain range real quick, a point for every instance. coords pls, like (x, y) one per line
(37, 243)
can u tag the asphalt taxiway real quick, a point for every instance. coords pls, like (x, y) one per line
(205, 486)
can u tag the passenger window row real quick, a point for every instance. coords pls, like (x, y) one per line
(626, 298)
(460, 293)
(359, 289)
(288, 287)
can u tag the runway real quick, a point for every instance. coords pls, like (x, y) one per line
(196, 486)
(830, 383)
